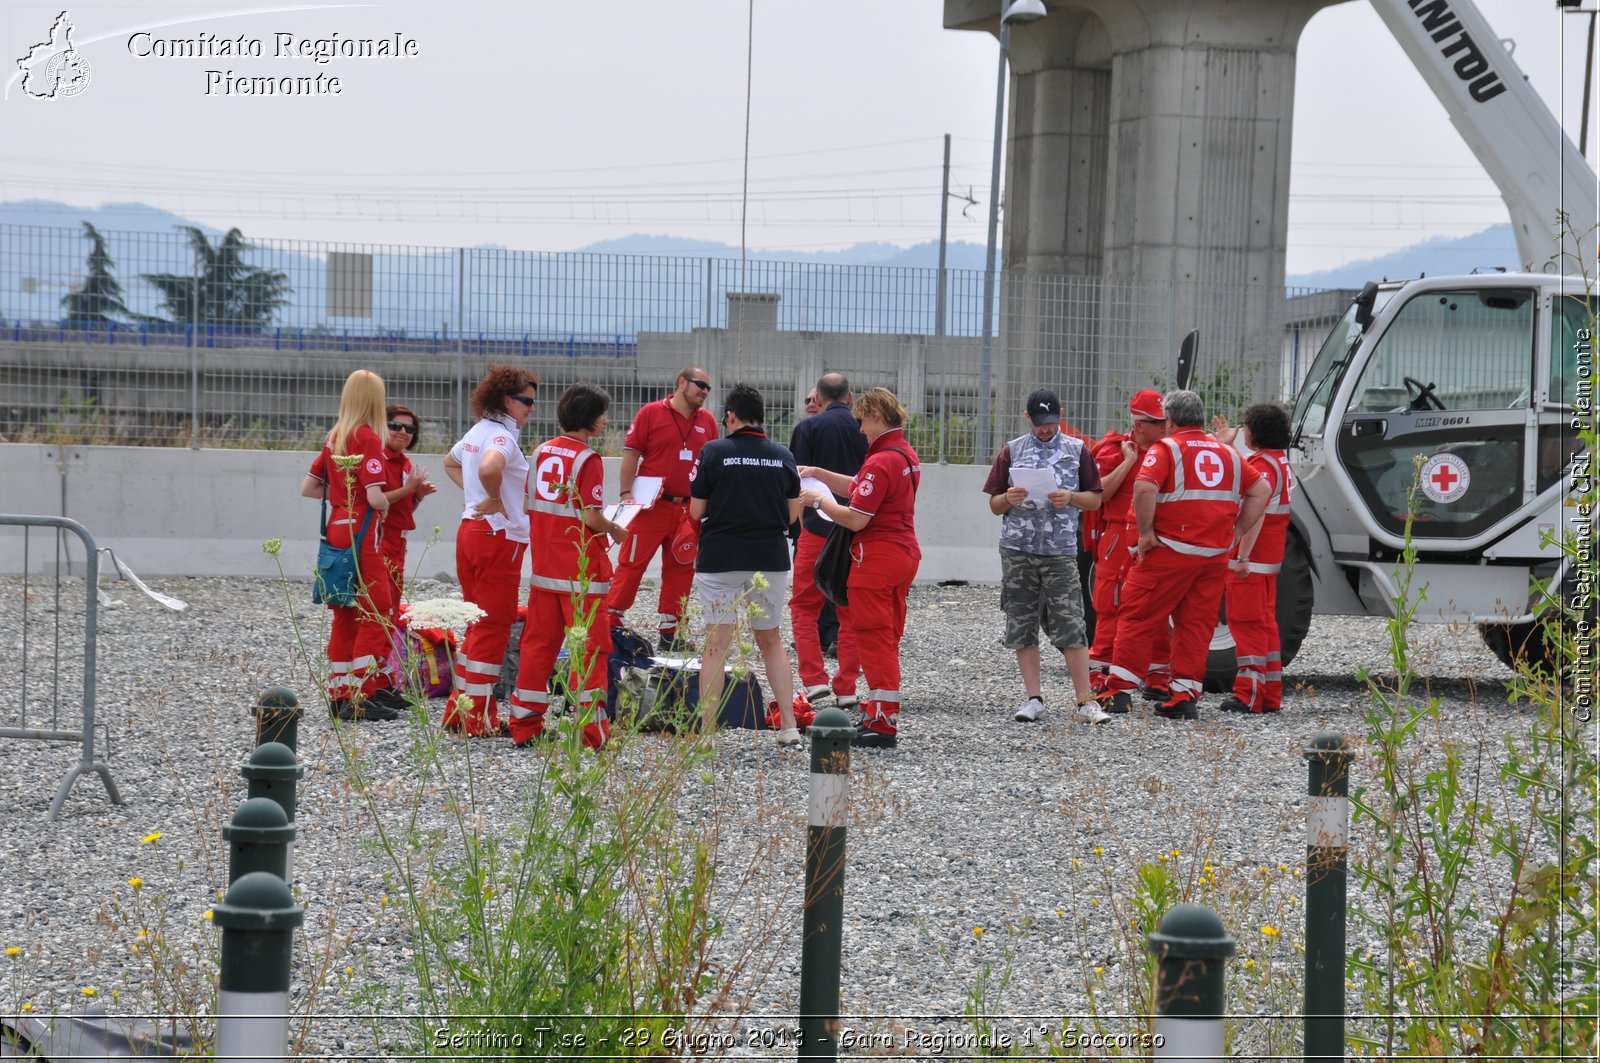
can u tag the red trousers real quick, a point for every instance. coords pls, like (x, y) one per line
(651, 533)
(1114, 560)
(1168, 585)
(358, 638)
(880, 580)
(489, 566)
(805, 605)
(550, 615)
(1253, 621)
(393, 549)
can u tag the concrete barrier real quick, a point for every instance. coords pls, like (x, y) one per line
(179, 512)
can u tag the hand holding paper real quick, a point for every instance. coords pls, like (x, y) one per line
(1038, 482)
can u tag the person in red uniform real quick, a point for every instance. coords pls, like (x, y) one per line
(664, 440)
(571, 572)
(881, 513)
(488, 465)
(1253, 588)
(350, 471)
(1116, 455)
(404, 485)
(1192, 499)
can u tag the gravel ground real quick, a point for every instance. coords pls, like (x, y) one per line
(979, 842)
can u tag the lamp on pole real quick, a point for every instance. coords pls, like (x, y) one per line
(1014, 13)
(1576, 7)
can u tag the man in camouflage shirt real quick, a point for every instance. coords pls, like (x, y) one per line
(1039, 547)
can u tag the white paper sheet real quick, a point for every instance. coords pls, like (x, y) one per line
(623, 512)
(811, 483)
(646, 489)
(1039, 482)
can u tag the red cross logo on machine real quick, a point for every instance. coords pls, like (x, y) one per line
(1209, 468)
(1445, 478)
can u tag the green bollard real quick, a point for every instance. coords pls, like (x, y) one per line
(258, 919)
(822, 940)
(277, 713)
(258, 839)
(1327, 840)
(273, 772)
(1190, 948)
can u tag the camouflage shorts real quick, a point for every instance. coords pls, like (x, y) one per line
(1035, 588)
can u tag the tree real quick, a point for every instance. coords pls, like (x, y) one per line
(99, 300)
(224, 291)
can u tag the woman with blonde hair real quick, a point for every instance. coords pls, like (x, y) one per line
(349, 474)
(884, 554)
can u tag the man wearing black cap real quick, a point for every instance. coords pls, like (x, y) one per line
(1038, 484)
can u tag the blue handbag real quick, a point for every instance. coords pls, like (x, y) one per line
(338, 575)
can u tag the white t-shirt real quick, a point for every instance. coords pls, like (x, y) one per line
(490, 434)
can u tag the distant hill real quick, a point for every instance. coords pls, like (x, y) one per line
(1482, 251)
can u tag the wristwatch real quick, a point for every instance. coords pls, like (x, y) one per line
(816, 503)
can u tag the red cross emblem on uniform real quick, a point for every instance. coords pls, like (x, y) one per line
(1209, 468)
(550, 482)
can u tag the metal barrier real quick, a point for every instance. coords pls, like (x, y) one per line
(84, 733)
(149, 348)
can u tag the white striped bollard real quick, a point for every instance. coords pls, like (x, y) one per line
(1327, 845)
(1191, 948)
(822, 940)
(258, 919)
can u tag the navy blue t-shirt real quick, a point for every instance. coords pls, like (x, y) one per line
(747, 482)
(830, 440)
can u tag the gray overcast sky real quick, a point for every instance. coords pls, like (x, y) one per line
(549, 126)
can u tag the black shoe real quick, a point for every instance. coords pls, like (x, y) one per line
(364, 709)
(676, 644)
(866, 739)
(1156, 693)
(341, 710)
(1117, 704)
(1234, 705)
(1179, 710)
(389, 698)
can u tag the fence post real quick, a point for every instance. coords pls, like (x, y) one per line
(1190, 948)
(273, 773)
(1327, 836)
(258, 918)
(258, 839)
(277, 713)
(822, 940)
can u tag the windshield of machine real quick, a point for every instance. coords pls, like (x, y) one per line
(1327, 369)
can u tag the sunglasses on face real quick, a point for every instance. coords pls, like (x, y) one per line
(525, 400)
(703, 385)
(408, 429)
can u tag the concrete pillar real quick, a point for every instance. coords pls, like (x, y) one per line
(1148, 146)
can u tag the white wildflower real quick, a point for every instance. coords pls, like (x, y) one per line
(451, 614)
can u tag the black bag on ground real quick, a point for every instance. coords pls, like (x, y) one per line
(629, 649)
(832, 570)
(668, 699)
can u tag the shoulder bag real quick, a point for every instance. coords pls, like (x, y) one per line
(338, 576)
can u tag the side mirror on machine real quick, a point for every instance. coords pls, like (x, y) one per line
(1364, 304)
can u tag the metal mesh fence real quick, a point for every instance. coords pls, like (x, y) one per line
(184, 339)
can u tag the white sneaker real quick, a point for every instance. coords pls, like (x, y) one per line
(1030, 711)
(817, 693)
(789, 736)
(846, 701)
(1091, 712)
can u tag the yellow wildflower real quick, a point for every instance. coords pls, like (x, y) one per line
(136, 882)
(977, 931)
(88, 990)
(1061, 913)
(1099, 851)
(1099, 971)
(1248, 964)
(1271, 931)
(27, 1007)
(208, 914)
(12, 950)
(151, 838)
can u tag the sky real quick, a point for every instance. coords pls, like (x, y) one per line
(546, 126)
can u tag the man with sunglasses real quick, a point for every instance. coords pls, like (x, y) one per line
(664, 440)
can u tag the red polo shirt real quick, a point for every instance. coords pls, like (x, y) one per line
(397, 473)
(886, 490)
(364, 443)
(668, 443)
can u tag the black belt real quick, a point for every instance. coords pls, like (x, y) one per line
(675, 498)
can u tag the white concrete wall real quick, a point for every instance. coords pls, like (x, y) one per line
(170, 512)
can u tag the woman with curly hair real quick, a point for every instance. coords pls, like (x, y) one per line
(488, 465)
(349, 473)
